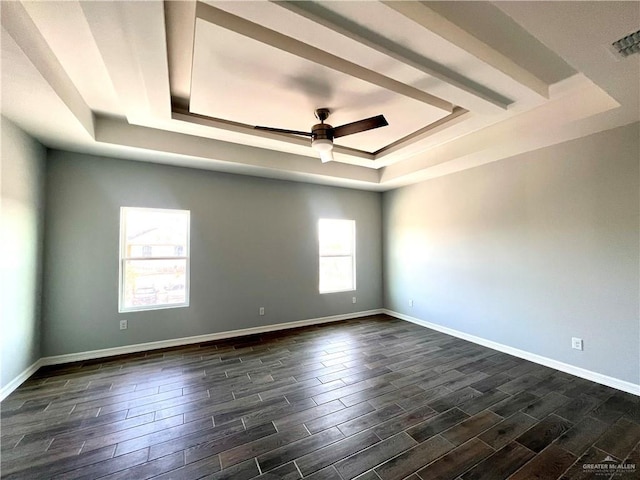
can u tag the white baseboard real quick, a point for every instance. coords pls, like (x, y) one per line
(142, 347)
(547, 362)
(176, 342)
(16, 382)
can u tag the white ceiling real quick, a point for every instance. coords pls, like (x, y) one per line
(183, 83)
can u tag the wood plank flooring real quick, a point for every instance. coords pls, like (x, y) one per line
(374, 399)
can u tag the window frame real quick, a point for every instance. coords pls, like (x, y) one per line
(352, 256)
(123, 258)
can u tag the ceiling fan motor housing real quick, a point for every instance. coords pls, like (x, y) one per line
(322, 131)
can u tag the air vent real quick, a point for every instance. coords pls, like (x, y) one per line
(627, 45)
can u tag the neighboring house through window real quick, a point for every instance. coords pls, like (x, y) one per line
(154, 258)
(337, 240)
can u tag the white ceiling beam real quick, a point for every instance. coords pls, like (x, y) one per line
(462, 83)
(436, 23)
(180, 19)
(24, 32)
(269, 37)
(131, 39)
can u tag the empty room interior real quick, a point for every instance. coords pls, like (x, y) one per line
(327, 240)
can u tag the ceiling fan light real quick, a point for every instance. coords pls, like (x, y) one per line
(326, 156)
(322, 145)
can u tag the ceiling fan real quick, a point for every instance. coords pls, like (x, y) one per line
(322, 134)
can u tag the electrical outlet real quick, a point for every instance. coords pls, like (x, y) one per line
(353, 299)
(577, 343)
(411, 303)
(261, 311)
(124, 325)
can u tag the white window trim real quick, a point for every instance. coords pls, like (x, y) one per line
(123, 259)
(353, 257)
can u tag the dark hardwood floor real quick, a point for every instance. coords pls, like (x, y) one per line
(374, 398)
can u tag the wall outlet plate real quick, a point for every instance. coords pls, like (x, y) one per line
(124, 324)
(577, 343)
(411, 303)
(261, 311)
(353, 299)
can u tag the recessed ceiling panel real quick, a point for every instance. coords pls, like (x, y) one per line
(240, 79)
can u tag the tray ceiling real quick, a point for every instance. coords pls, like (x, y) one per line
(258, 84)
(185, 82)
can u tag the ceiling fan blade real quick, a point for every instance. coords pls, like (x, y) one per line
(282, 130)
(326, 156)
(360, 126)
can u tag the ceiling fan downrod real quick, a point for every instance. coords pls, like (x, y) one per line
(322, 131)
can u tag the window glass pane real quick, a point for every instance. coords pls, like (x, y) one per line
(154, 282)
(155, 233)
(336, 236)
(336, 274)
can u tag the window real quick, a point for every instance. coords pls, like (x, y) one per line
(337, 239)
(154, 259)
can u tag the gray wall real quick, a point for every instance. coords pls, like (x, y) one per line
(253, 244)
(21, 226)
(528, 252)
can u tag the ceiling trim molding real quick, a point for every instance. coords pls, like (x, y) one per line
(436, 23)
(459, 114)
(290, 45)
(578, 99)
(217, 154)
(406, 57)
(205, 120)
